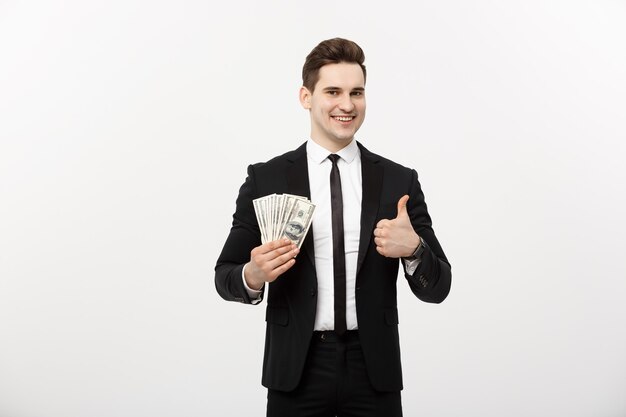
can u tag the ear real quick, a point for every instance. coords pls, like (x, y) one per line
(305, 97)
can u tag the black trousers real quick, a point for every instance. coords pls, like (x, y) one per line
(334, 384)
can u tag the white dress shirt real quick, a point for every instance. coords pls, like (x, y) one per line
(349, 165)
(319, 167)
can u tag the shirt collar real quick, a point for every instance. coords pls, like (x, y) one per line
(319, 154)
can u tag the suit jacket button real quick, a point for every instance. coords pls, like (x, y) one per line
(313, 293)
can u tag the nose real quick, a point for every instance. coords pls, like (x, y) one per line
(346, 105)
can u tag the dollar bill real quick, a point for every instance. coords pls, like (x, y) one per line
(283, 215)
(259, 219)
(299, 220)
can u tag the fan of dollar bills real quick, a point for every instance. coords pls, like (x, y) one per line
(283, 215)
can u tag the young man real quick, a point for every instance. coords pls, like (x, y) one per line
(332, 345)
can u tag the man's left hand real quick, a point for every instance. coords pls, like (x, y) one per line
(396, 238)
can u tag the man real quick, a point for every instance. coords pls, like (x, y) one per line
(332, 345)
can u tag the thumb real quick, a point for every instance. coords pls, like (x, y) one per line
(402, 206)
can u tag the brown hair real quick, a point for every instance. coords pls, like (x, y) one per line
(330, 51)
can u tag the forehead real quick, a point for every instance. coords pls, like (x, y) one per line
(343, 75)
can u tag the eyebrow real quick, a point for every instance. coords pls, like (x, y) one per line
(360, 89)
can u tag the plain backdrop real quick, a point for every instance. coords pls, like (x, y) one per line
(125, 132)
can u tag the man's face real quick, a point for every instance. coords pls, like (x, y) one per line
(337, 104)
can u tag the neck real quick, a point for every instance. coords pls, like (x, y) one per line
(332, 146)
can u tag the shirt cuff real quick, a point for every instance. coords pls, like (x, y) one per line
(255, 295)
(411, 265)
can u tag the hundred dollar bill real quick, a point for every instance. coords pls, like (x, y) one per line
(287, 208)
(261, 210)
(259, 219)
(299, 221)
(276, 216)
(299, 197)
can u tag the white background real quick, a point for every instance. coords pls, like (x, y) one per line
(126, 128)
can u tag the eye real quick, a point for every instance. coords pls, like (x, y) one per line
(333, 92)
(357, 93)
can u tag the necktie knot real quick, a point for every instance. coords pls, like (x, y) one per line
(334, 158)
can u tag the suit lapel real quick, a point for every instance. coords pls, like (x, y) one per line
(372, 180)
(298, 184)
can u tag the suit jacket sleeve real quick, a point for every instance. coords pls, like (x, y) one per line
(243, 237)
(431, 280)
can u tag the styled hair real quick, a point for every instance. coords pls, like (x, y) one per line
(330, 51)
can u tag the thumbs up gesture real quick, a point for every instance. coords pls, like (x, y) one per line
(396, 238)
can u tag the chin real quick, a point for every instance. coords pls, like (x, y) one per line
(343, 137)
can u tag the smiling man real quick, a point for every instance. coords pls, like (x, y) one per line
(336, 103)
(332, 345)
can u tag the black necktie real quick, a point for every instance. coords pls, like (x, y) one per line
(339, 253)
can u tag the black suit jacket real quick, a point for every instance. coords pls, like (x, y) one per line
(292, 298)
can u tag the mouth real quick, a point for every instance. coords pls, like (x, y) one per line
(343, 119)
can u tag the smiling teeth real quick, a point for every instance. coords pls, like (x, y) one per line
(343, 118)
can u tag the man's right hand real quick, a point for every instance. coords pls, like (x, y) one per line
(269, 261)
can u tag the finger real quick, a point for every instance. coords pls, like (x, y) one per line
(268, 259)
(281, 250)
(283, 268)
(383, 223)
(381, 251)
(378, 241)
(280, 264)
(402, 205)
(261, 259)
(273, 245)
(275, 263)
